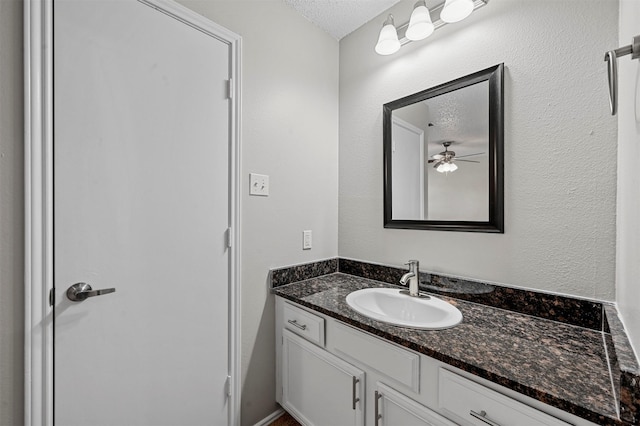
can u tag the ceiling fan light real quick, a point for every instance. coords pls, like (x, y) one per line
(456, 10)
(420, 24)
(446, 167)
(388, 42)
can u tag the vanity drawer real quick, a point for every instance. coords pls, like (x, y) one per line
(469, 403)
(399, 365)
(304, 324)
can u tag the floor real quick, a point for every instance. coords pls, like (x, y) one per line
(285, 420)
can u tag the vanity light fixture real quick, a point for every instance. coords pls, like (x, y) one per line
(420, 25)
(456, 10)
(388, 42)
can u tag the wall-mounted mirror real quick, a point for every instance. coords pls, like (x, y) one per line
(443, 156)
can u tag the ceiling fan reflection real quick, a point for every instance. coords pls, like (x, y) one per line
(444, 161)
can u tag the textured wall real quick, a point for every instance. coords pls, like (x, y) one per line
(289, 132)
(560, 144)
(11, 215)
(628, 248)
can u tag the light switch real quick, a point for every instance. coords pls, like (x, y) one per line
(306, 240)
(258, 184)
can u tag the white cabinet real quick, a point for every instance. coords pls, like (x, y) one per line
(319, 388)
(469, 403)
(322, 363)
(391, 408)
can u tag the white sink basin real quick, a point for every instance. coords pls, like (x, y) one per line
(390, 306)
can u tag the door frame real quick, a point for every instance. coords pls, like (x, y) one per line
(38, 135)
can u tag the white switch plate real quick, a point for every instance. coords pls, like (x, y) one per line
(306, 240)
(258, 184)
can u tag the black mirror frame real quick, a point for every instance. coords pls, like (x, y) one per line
(495, 224)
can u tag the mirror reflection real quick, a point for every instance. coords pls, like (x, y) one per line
(441, 146)
(440, 163)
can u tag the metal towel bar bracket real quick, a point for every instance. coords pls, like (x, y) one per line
(611, 57)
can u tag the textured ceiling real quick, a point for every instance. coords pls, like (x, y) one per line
(340, 17)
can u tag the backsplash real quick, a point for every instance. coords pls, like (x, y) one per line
(583, 313)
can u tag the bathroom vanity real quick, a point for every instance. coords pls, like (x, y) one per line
(497, 367)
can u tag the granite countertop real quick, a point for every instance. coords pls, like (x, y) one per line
(560, 364)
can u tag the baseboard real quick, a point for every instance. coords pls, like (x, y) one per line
(270, 418)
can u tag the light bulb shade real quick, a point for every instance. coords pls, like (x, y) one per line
(388, 42)
(456, 10)
(420, 25)
(446, 167)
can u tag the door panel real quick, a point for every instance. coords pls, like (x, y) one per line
(318, 387)
(141, 204)
(408, 172)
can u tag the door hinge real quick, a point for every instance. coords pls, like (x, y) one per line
(229, 237)
(230, 88)
(52, 297)
(227, 386)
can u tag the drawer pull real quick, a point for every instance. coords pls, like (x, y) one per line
(355, 400)
(378, 416)
(295, 323)
(482, 416)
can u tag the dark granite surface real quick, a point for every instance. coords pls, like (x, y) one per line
(559, 364)
(624, 367)
(584, 313)
(292, 274)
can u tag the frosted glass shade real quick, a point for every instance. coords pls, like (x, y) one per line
(456, 10)
(447, 167)
(420, 25)
(388, 42)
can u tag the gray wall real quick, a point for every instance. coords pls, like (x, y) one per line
(560, 144)
(628, 267)
(11, 215)
(289, 132)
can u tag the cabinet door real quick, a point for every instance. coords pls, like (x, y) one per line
(393, 408)
(317, 387)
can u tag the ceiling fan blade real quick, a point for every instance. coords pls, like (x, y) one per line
(469, 155)
(468, 161)
(435, 166)
(437, 156)
(431, 161)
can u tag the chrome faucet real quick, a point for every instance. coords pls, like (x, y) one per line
(412, 277)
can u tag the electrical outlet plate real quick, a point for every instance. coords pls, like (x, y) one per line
(258, 184)
(306, 240)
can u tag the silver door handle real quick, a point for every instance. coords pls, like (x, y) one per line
(295, 323)
(354, 400)
(482, 416)
(376, 415)
(80, 291)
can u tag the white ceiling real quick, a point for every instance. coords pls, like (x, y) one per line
(340, 17)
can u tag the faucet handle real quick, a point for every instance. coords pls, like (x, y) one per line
(413, 266)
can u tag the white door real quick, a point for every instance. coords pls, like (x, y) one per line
(407, 171)
(141, 202)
